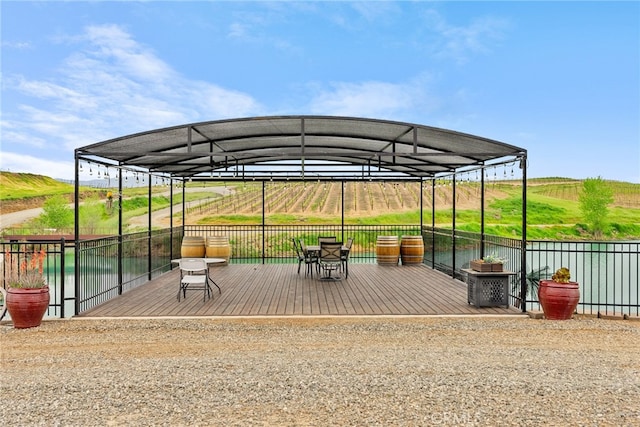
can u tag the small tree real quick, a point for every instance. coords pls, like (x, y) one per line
(56, 213)
(594, 199)
(91, 213)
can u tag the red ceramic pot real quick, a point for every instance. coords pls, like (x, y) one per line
(558, 300)
(27, 306)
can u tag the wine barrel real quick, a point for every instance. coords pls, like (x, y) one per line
(192, 247)
(218, 247)
(387, 250)
(411, 250)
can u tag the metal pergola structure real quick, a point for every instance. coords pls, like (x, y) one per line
(302, 148)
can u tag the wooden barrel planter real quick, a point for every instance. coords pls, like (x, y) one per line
(387, 250)
(192, 247)
(218, 247)
(411, 250)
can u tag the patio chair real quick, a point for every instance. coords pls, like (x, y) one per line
(310, 257)
(327, 239)
(194, 275)
(330, 259)
(344, 257)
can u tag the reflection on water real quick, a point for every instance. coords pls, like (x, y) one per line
(608, 273)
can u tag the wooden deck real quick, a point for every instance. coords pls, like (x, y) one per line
(277, 290)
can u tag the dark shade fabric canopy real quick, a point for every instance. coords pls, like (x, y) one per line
(303, 147)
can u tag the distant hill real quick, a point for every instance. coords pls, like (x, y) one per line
(16, 186)
(25, 185)
(20, 191)
(552, 203)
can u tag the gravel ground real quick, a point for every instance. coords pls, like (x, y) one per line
(322, 372)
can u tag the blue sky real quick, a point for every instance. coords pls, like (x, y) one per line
(560, 79)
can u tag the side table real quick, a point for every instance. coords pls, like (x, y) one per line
(488, 289)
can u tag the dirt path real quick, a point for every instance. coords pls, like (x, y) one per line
(161, 217)
(15, 218)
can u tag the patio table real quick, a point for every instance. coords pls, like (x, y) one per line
(315, 249)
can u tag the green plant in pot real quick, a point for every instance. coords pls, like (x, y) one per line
(27, 290)
(532, 280)
(559, 296)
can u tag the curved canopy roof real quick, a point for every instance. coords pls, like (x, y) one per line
(304, 147)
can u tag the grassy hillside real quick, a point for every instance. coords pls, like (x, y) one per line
(15, 186)
(552, 204)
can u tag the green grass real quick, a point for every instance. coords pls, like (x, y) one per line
(552, 208)
(15, 186)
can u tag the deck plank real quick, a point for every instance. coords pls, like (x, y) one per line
(278, 290)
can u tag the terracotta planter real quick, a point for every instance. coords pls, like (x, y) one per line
(558, 300)
(27, 306)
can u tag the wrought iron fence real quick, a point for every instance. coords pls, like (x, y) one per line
(451, 251)
(111, 266)
(608, 272)
(56, 264)
(65, 231)
(273, 243)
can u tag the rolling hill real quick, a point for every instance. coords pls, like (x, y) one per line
(553, 208)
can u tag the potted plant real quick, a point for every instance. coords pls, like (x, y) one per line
(533, 282)
(488, 263)
(27, 290)
(559, 296)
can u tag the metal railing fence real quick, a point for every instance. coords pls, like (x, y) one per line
(451, 251)
(608, 272)
(111, 266)
(66, 231)
(273, 243)
(56, 267)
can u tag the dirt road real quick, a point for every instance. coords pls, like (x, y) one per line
(160, 217)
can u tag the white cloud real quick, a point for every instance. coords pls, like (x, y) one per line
(114, 44)
(111, 86)
(22, 138)
(461, 42)
(15, 45)
(44, 89)
(375, 99)
(13, 162)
